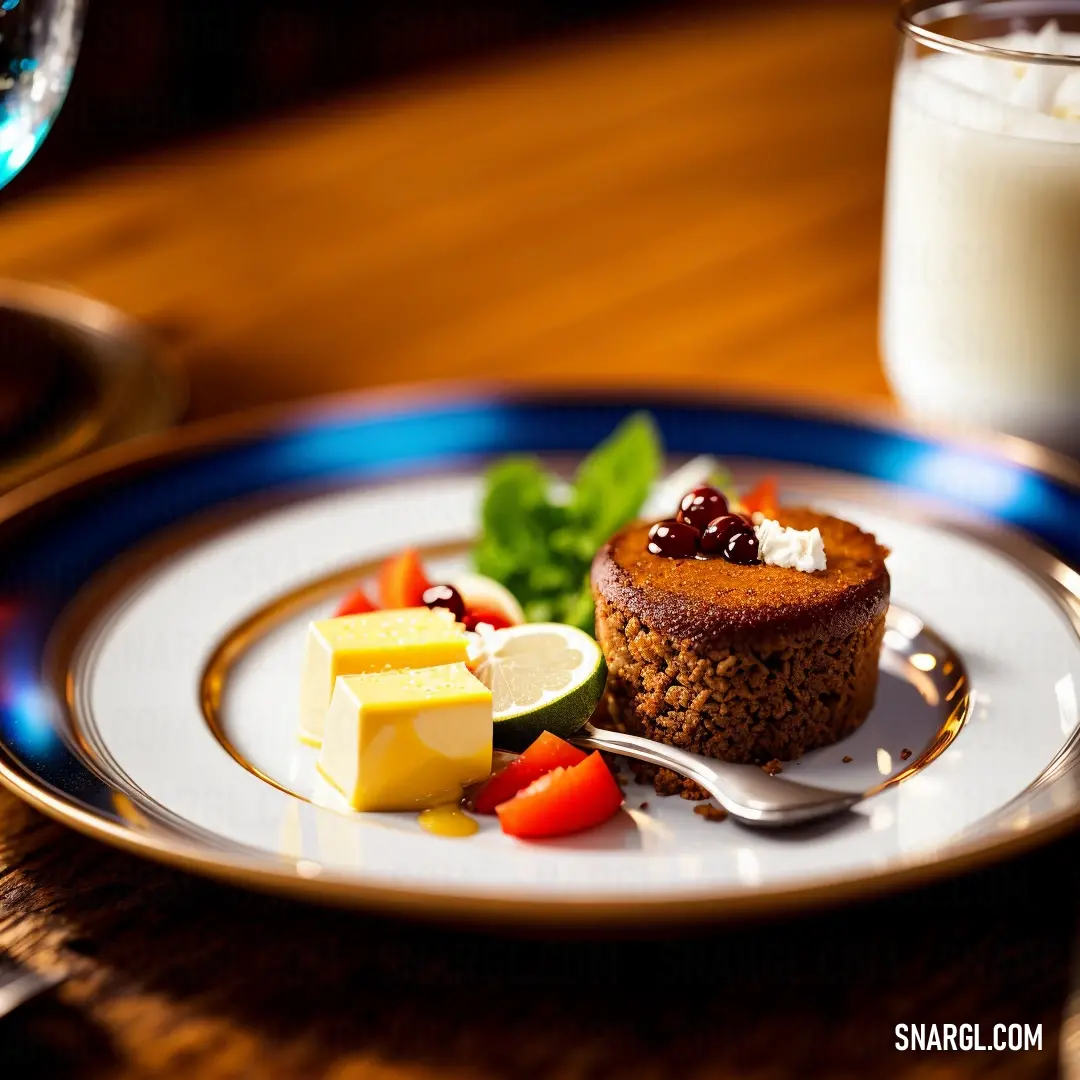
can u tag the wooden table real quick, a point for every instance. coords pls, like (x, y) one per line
(698, 200)
(705, 198)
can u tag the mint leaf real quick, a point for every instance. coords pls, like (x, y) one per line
(580, 611)
(517, 495)
(540, 611)
(613, 481)
(547, 578)
(497, 562)
(540, 547)
(572, 544)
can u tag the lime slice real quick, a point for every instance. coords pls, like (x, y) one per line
(542, 677)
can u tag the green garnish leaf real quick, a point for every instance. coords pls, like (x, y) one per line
(540, 611)
(517, 491)
(579, 610)
(614, 480)
(541, 546)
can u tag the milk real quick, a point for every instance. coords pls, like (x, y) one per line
(981, 287)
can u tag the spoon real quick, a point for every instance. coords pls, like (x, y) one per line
(19, 984)
(746, 792)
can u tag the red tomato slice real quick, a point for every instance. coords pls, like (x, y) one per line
(496, 619)
(563, 801)
(402, 581)
(546, 753)
(356, 603)
(764, 499)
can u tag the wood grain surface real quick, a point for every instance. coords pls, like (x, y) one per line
(700, 202)
(697, 202)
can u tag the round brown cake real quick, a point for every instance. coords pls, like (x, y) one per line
(746, 663)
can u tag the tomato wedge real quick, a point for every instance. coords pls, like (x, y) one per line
(495, 619)
(356, 603)
(764, 499)
(402, 581)
(563, 801)
(546, 753)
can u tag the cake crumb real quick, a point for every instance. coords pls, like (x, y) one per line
(665, 782)
(644, 806)
(710, 812)
(773, 767)
(694, 793)
(847, 759)
(905, 754)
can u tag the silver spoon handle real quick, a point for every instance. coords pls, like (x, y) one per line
(744, 791)
(19, 984)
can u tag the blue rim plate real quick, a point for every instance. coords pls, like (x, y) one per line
(58, 534)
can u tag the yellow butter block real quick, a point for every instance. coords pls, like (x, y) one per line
(407, 740)
(374, 641)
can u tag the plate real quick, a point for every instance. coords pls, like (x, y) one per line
(153, 601)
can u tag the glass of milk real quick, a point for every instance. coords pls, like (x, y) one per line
(981, 274)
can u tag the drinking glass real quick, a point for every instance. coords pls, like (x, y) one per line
(981, 271)
(39, 40)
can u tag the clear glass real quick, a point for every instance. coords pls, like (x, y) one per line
(981, 268)
(39, 41)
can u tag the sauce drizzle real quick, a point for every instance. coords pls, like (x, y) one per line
(447, 820)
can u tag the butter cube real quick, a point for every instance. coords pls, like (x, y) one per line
(375, 641)
(407, 740)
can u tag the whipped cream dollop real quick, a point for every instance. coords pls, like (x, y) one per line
(1033, 86)
(1067, 99)
(1004, 95)
(794, 549)
(1046, 88)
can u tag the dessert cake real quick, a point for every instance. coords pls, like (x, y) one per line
(730, 656)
